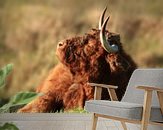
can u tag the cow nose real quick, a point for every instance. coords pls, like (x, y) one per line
(60, 44)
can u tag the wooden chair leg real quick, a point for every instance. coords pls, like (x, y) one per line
(94, 121)
(160, 98)
(146, 110)
(124, 125)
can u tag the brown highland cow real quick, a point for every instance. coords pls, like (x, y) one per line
(97, 57)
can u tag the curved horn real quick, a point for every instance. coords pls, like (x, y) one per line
(106, 45)
(102, 19)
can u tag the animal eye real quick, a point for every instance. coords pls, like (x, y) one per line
(113, 43)
(115, 46)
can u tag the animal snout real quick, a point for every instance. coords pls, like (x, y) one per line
(60, 44)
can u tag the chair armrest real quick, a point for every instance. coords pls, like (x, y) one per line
(103, 85)
(148, 99)
(98, 90)
(148, 88)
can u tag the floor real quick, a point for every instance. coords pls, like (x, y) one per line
(58, 121)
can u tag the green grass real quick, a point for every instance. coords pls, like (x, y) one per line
(77, 110)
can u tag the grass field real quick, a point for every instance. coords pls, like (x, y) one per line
(30, 30)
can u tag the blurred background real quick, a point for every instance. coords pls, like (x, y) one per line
(31, 29)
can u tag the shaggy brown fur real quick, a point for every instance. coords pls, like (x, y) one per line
(83, 60)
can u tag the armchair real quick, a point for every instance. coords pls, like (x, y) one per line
(141, 104)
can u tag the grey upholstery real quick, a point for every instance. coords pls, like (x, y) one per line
(131, 105)
(143, 77)
(125, 110)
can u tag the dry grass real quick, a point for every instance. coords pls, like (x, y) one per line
(30, 30)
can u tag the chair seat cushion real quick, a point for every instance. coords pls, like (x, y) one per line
(131, 111)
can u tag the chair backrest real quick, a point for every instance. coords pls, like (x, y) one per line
(143, 77)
